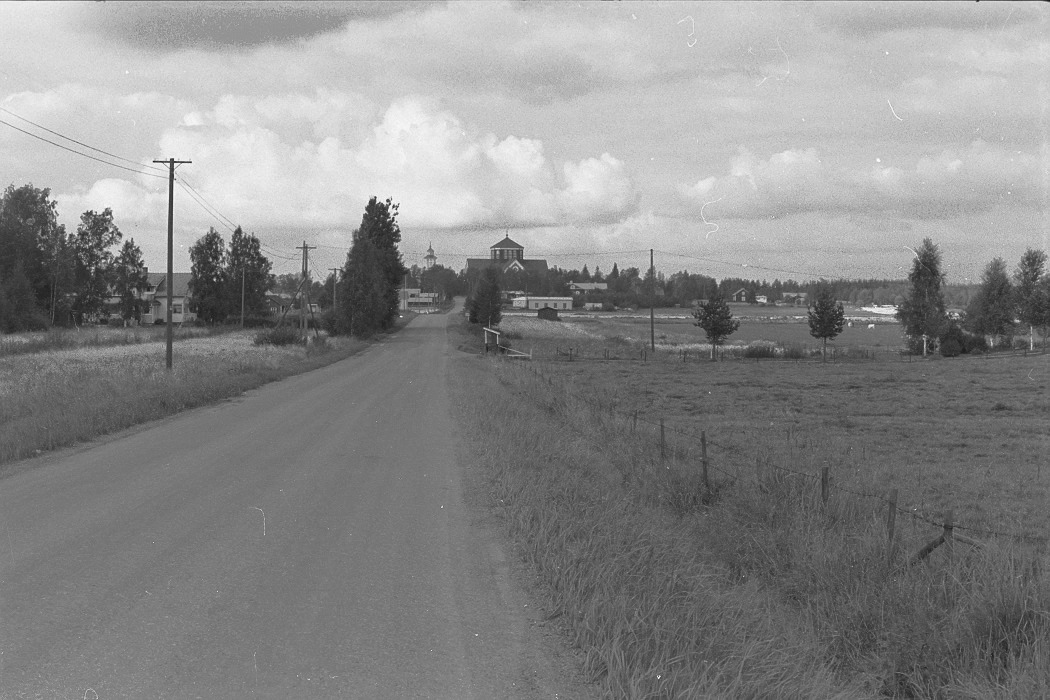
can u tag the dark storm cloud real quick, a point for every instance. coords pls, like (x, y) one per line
(175, 25)
(873, 18)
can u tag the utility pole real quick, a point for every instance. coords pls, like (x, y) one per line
(242, 296)
(335, 285)
(404, 294)
(652, 300)
(302, 298)
(170, 278)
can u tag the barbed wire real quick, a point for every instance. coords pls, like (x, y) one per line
(913, 512)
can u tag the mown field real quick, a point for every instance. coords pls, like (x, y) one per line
(754, 587)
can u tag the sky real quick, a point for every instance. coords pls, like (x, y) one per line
(766, 140)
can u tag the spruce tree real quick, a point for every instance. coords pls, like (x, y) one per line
(486, 303)
(715, 317)
(827, 318)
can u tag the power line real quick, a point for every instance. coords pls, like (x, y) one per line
(203, 205)
(80, 143)
(85, 155)
(218, 214)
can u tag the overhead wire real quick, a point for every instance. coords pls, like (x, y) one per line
(80, 143)
(79, 153)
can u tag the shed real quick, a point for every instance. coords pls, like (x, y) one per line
(547, 313)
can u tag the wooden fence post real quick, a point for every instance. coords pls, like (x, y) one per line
(662, 442)
(949, 528)
(891, 523)
(703, 459)
(824, 485)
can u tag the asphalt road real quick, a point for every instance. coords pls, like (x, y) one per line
(306, 540)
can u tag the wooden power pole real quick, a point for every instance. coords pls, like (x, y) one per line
(170, 278)
(304, 295)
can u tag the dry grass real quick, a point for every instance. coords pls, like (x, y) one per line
(60, 397)
(755, 588)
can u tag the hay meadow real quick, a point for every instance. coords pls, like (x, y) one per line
(752, 585)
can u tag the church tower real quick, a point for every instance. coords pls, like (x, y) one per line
(429, 260)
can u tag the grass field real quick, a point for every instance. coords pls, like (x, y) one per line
(753, 588)
(64, 387)
(968, 433)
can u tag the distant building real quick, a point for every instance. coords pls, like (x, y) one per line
(507, 256)
(577, 288)
(533, 303)
(429, 260)
(416, 300)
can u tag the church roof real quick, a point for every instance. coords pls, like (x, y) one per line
(507, 243)
(504, 265)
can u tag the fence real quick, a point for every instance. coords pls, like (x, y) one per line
(796, 355)
(766, 470)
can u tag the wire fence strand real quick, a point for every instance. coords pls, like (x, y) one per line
(913, 513)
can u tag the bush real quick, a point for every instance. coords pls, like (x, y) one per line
(974, 343)
(281, 335)
(794, 352)
(950, 347)
(760, 349)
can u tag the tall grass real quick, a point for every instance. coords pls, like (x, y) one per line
(65, 397)
(754, 588)
(95, 337)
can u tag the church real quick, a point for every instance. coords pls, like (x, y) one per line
(507, 256)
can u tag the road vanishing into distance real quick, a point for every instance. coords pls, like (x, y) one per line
(309, 539)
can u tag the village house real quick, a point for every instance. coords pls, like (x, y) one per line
(157, 298)
(578, 288)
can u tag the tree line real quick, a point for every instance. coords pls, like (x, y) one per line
(1002, 304)
(52, 277)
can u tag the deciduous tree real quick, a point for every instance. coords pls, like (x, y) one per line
(130, 280)
(1026, 286)
(208, 277)
(248, 276)
(992, 311)
(34, 258)
(922, 312)
(827, 318)
(93, 265)
(717, 321)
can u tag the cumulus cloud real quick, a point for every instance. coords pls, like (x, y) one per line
(443, 174)
(131, 203)
(944, 184)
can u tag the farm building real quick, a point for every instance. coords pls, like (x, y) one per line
(739, 295)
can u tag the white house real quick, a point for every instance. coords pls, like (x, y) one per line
(532, 303)
(157, 295)
(415, 300)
